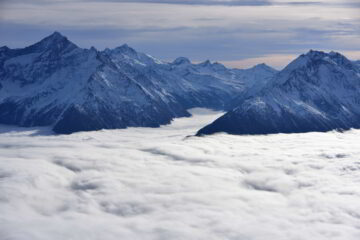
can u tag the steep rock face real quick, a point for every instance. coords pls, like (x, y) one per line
(316, 92)
(55, 83)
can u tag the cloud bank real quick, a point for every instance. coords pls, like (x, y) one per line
(144, 183)
(218, 30)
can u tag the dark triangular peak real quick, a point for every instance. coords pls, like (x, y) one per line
(4, 48)
(181, 60)
(4, 51)
(92, 48)
(56, 41)
(125, 49)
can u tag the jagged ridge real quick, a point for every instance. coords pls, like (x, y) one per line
(56, 83)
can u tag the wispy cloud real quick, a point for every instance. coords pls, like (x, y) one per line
(216, 30)
(202, 2)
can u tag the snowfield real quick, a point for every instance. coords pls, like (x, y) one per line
(158, 183)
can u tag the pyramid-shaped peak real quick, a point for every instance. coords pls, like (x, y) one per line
(263, 66)
(125, 49)
(125, 46)
(57, 34)
(54, 41)
(4, 48)
(55, 37)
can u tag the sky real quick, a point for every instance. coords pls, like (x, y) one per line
(238, 33)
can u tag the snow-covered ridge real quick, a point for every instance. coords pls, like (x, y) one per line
(318, 91)
(56, 83)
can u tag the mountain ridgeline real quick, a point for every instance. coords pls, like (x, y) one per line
(316, 92)
(56, 83)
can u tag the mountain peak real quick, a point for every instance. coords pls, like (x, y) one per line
(261, 65)
(57, 34)
(312, 52)
(54, 41)
(54, 37)
(334, 58)
(314, 57)
(125, 49)
(206, 63)
(308, 95)
(181, 60)
(4, 49)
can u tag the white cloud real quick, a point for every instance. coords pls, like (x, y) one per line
(216, 32)
(141, 15)
(157, 183)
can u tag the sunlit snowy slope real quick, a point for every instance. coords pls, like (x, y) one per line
(143, 183)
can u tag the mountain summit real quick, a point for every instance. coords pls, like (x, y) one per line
(318, 91)
(55, 83)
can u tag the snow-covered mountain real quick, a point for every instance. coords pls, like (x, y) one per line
(357, 63)
(56, 83)
(316, 92)
(255, 79)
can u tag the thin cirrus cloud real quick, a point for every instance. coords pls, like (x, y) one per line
(226, 31)
(202, 2)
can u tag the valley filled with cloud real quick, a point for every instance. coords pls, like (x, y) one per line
(164, 183)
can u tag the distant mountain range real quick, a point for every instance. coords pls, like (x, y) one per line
(56, 83)
(316, 92)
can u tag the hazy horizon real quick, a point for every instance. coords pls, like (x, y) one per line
(237, 33)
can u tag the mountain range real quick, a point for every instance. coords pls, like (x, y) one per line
(318, 91)
(56, 83)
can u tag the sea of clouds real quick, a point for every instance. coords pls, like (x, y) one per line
(163, 183)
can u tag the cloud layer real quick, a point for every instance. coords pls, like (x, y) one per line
(144, 183)
(216, 30)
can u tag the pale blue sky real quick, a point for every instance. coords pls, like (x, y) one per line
(239, 33)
